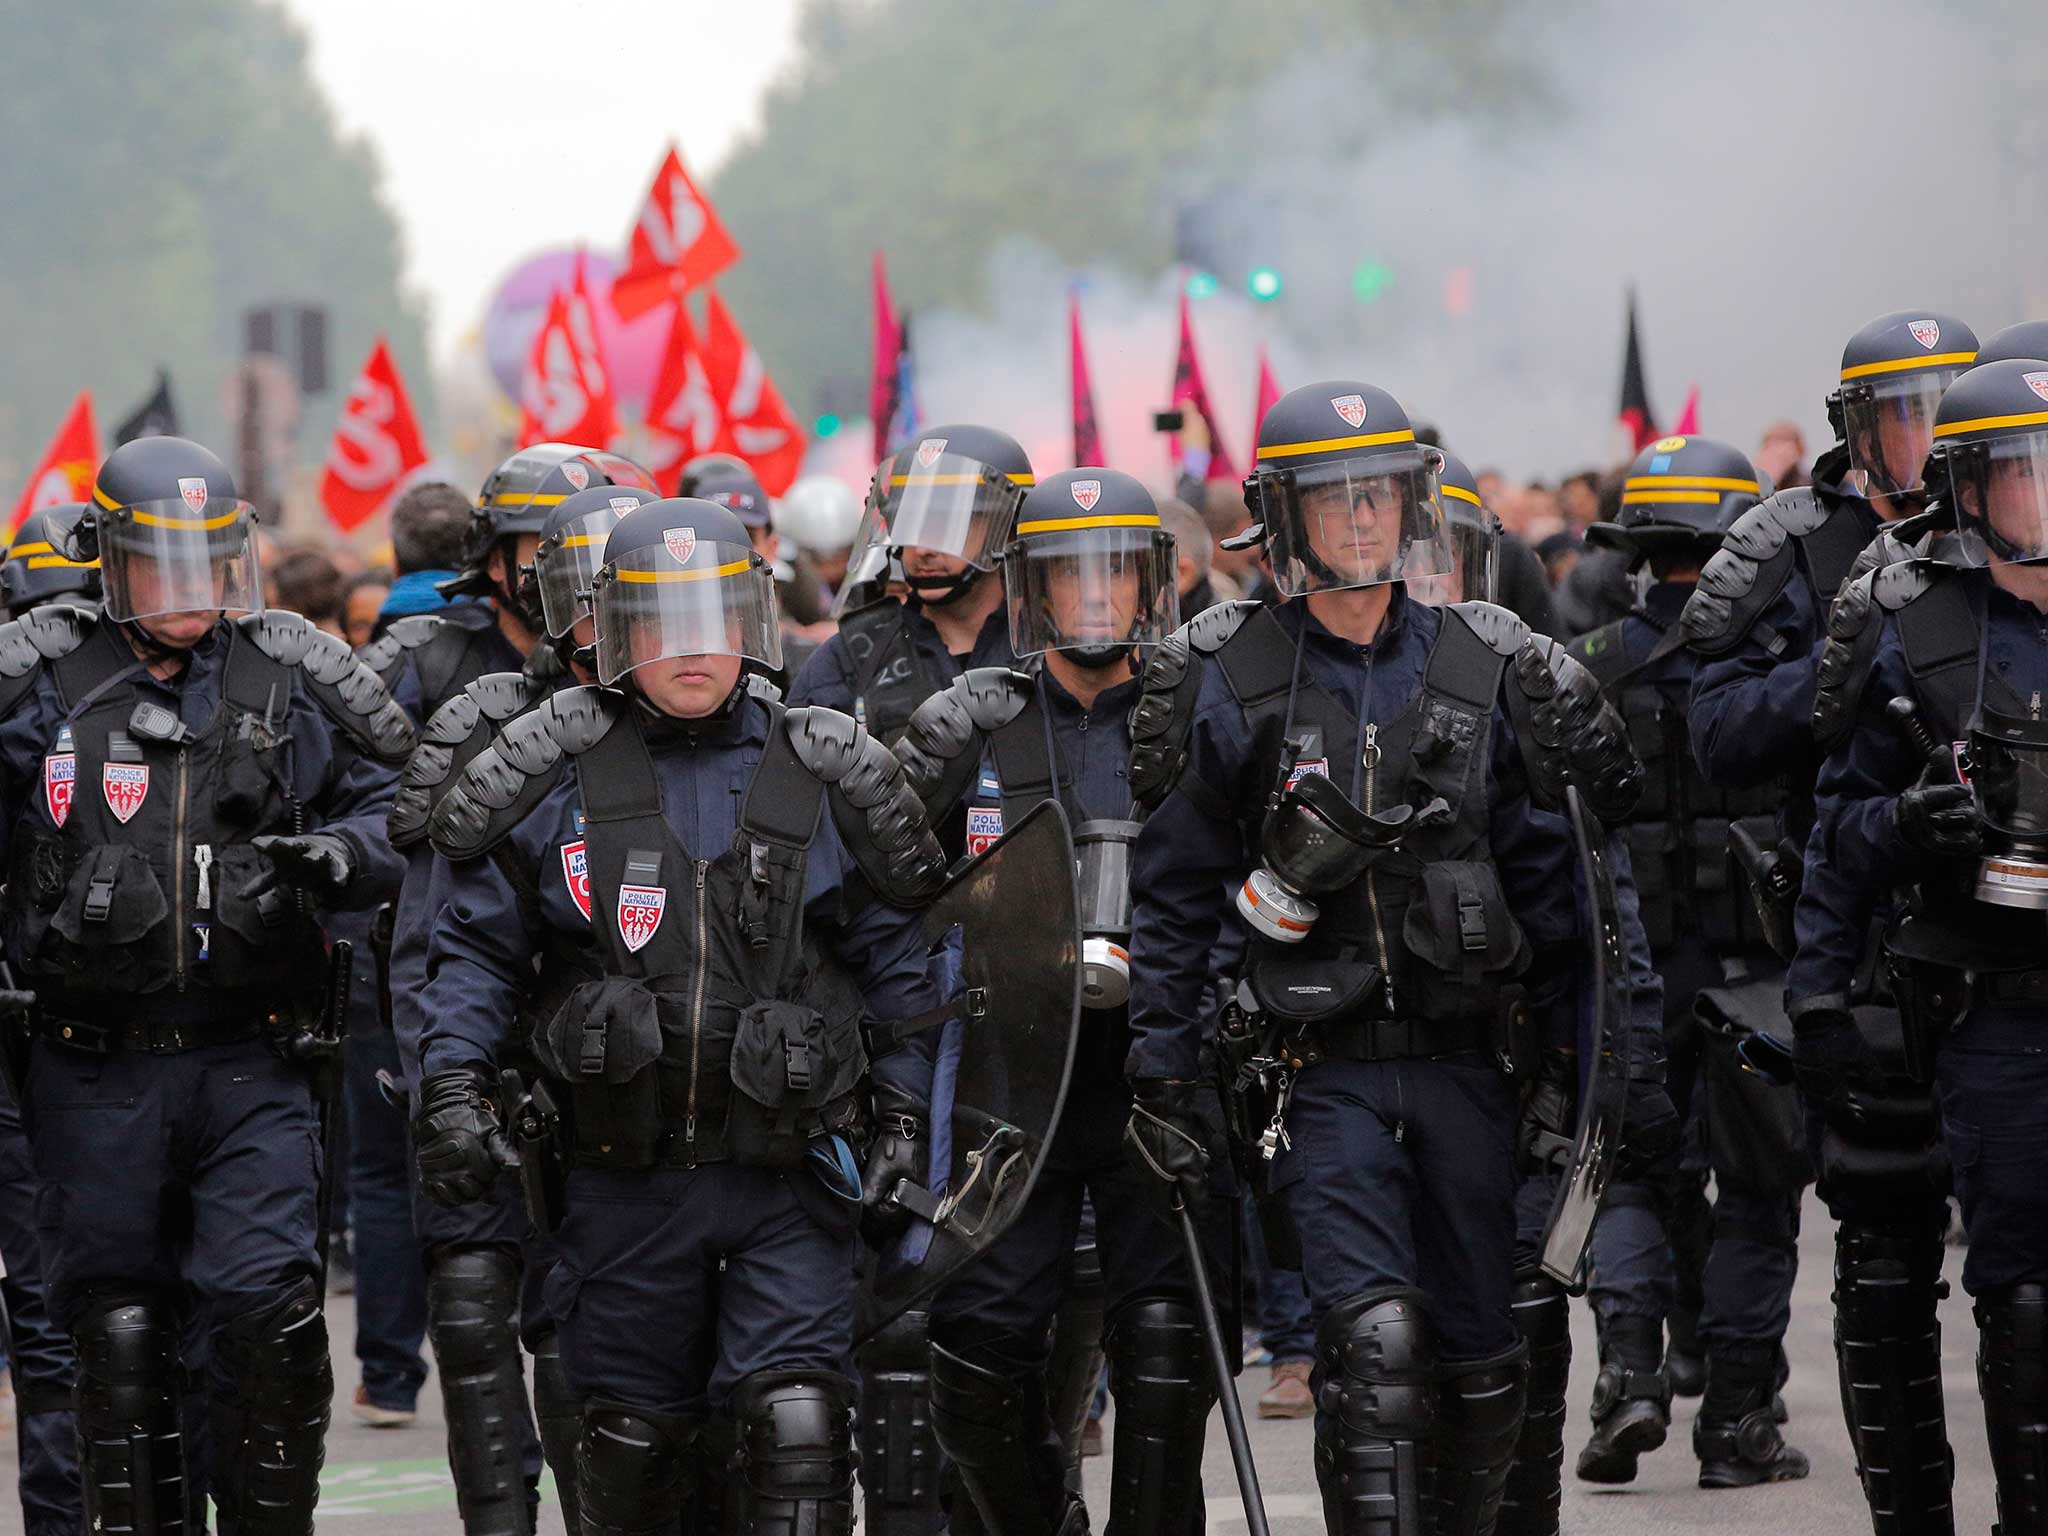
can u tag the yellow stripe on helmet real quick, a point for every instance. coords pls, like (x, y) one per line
(1461, 493)
(194, 524)
(1903, 364)
(1067, 524)
(1333, 444)
(528, 499)
(1688, 483)
(56, 562)
(1642, 498)
(1992, 423)
(699, 573)
(31, 549)
(105, 500)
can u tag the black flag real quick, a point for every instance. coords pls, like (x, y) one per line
(155, 417)
(1636, 415)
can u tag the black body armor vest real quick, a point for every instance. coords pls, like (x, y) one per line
(890, 677)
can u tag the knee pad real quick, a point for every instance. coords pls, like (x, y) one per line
(978, 1410)
(633, 1470)
(130, 1435)
(270, 1436)
(1377, 1354)
(899, 1460)
(473, 1309)
(796, 1446)
(1156, 1363)
(276, 1354)
(1542, 1315)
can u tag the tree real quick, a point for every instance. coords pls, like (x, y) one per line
(166, 166)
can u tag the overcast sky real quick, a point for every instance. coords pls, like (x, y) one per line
(507, 126)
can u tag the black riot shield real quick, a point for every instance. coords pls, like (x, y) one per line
(1604, 1086)
(1006, 945)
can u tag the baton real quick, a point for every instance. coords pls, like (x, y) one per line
(1226, 1381)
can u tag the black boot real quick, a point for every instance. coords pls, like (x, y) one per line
(2012, 1373)
(1685, 1367)
(992, 1422)
(1736, 1436)
(1631, 1401)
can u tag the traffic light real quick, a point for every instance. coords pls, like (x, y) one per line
(1263, 284)
(1370, 279)
(1201, 285)
(826, 424)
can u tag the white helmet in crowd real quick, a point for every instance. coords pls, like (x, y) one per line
(820, 515)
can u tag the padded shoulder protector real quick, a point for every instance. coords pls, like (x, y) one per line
(1503, 631)
(1167, 690)
(1571, 733)
(942, 743)
(763, 688)
(1843, 671)
(1750, 569)
(503, 784)
(484, 705)
(878, 814)
(347, 691)
(40, 635)
(384, 654)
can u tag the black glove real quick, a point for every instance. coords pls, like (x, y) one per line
(1829, 1056)
(458, 1143)
(1163, 1139)
(898, 1152)
(317, 863)
(1939, 819)
(1549, 1123)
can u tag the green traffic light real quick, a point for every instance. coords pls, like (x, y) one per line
(1201, 285)
(1263, 284)
(825, 425)
(1369, 279)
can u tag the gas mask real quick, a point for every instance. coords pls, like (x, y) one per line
(1314, 841)
(1102, 859)
(2008, 770)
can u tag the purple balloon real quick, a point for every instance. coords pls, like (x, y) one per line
(632, 352)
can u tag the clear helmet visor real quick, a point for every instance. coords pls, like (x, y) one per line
(684, 599)
(1471, 566)
(566, 562)
(1354, 522)
(951, 505)
(1890, 426)
(2001, 490)
(869, 565)
(1091, 590)
(169, 557)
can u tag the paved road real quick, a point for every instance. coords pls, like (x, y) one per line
(396, 1483)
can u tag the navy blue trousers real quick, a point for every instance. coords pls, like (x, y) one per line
(391, 1277)
(1991, 1076)
(39, 1350)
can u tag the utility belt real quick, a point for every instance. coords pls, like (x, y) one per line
(157, 1036)
(1390, 1040)
(1936, 977)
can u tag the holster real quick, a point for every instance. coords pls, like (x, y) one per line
(1774, 876)
(1931, 998)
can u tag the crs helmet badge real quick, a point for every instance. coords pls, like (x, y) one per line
(193, 489)
(681, 542)
(1086, 493)
(1926, 332)
(2038, 383)
(576, 474)
(1351, 408)
(929, 450)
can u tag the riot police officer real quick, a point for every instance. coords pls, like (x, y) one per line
(1756, 620)
(37, 572)
(1933, 792)
(1411, 899)
(676, 877)
(178, 785)
(941, 510)
(732, 483)
(1721, 979)
(1090, 579)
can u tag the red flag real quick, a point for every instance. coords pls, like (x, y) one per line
(678, 244)
(1637, 418)
(683, 419)
(758, 426)
(376, 443)
(887, 367)
(65, 471)
(1689, 413)
(565, 396)
(1269, 393)
(1189, 389)
(1087, 440)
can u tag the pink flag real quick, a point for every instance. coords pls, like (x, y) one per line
(1087, 440)
(883, 376)
(1689, 414)
(1269, 393)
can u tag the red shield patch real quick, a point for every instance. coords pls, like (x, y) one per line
(126, 786)
(640, 910)
(681, 542)
(576, 474)
(929, 450)
(576, 874)
(60, 778)
(1926, 332)
(193, 489)
(1351, 408)
(1086, 493)
(984, 827)
(2038, 383)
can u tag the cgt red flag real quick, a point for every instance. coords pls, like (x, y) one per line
(1189, 389)
(376, 444)
(1637, 418)
(1269, 395)
(1087, 440)
(758, 426)
(565, 395)
(887, 368)
(65, 471)
(677, 245)
(683, 419)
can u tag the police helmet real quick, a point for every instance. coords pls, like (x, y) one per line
(170, 531)
(1893, 373)
(681, 578)
(1679, 497)
(820, 515)
(1091, 570)
(729, 481)
(1344, 494)
(516, 497)
(1472, 536)
(2029, 338)
(36, 571)
(572, 541)
(1990, 461)
(952, 490)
